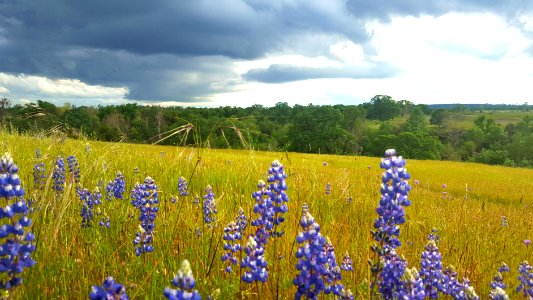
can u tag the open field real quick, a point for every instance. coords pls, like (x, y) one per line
(71, 259)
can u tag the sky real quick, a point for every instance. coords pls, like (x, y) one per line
(211, 53)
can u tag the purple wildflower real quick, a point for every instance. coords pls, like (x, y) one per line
(145, 197)
(88, 201)
(325, 164)
(209, 208)
(431, 266)
(16, 240)
(183, 186)
(527, 242)
(109, 290)
(328, 188)
(262, 207)
(333, 271)
(311, 257)
(277, 192)
(254, 262)
(59, 175)
(74, 169)
(232, 245)
(185, 283)
(414, 289)
(39, 176)
(347, 263)
(498, 286)
(526, 280)
(116, 187)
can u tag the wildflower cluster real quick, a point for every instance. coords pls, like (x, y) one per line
(232, 245)
(232, 240)
(74, 168)
(312, 259)
(209, 208)
(333, 271)
(278, 197)
(58, 175)
(16, 241)
(347, 263)
(328, 188)
(109, 290)
(498, 286)
(262, 207)
(183, 186)
(116, 187)
(88, 201)
(39, 172)
(254, 262)
(431, 266)
(145, 198)
(185, 283)
(394, 191)
(526, 280)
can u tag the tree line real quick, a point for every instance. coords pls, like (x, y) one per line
(416, 131)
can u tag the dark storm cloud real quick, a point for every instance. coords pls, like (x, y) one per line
(180, 50)
(287, 73)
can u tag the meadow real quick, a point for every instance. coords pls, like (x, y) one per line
(465, 202)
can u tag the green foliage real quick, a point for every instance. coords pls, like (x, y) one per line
(383, 108)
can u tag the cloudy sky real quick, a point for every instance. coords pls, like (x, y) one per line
(245, 52)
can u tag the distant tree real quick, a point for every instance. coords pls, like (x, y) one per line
(4, 108)
(439, 117)
(416, 122)
(383, 108)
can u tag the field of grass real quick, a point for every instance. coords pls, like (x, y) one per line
(71, 259)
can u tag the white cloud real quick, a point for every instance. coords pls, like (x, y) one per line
(23, 88)
(453, 58)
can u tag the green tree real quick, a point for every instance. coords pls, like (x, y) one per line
(383, 108)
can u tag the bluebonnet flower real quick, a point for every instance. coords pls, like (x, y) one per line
(254, 262)
(209, 208)
(394, 191)
(391, 284)
(241, 220)
(498, 294)
(347, 263)
(232, 239)
(183, 186)
(498, 286)
(105, 221)
(37, 153)
(185, 283)
(312, 258)
(328, 188)
(59, 175)
(145, 198)
(196, 200)
(415, 289)
(88, 201)
(74, 168)
(451, 286)
(431, 266)
(16, 242)
(525, 280)
(262, 207)
(232, 245)
(39, 176)
(333, 276)
(277, 187)
(116, 187)
(347, 295)
(109, 290)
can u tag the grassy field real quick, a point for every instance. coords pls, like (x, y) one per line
(71, 259)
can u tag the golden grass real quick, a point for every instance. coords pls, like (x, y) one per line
(70, 259)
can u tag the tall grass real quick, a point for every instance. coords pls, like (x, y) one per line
(71, 259)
